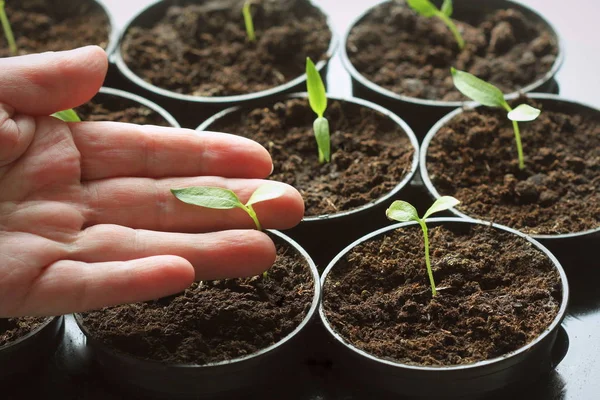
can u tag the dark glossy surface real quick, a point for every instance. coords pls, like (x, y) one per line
(72, 375)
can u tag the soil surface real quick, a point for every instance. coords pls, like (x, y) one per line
(203, 50)
(411, 55)
(370, 153)
(474, 158)
(496, 293)
(12, 329)
(212, 321)
(111, 108)
(44, 25)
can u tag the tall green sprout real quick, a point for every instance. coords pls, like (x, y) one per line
(317, 99)
(10, 38)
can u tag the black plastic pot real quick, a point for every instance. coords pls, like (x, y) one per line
(231, 377)
(189, 109)
(324, 236)
(461, 381)
(30, 351)
(106, 93)
(574, 250)
(421, 114)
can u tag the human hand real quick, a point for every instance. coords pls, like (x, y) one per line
(87, 218)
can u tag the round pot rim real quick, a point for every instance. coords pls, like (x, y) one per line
(238, 360)
(439, 124)
(133, 77)
(29, 334)
(113, 35)
(143, 101)
(556, 322)
(360, 102)
(348, 66)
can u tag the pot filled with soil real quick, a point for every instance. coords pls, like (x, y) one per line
(471, 154)
(215, 338)
(120, 106)
(373, 158)
(401, 60)
(195, 57)
(26, 343)
(492, 324)
(43, 25)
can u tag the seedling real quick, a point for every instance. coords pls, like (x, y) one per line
(10, 38)
(67, 115)
(428, 10)
(248, 20)
(489, 95)
(318, 102)
(402, 211)
(225, 199)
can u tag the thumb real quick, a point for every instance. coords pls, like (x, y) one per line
(41, 84)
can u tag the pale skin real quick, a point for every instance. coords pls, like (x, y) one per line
(86, 216)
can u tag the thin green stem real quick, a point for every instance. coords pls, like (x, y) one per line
(12, 45)
(248, 21)
(254, 217)
(519, 145)
(427, 261)
(453, 28)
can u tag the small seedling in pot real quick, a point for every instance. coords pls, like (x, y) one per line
(225, 199)
(402, 211)
(428, 9)
(489, 95)
(248, 20)
(67, 115)
(8, 33)
(318, 102)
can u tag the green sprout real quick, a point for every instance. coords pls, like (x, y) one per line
(248, 20)
(225, 199)
(318, 102)
(67, 115)
(10, 38)
(428, 10)
(489, 95)
(402, 211)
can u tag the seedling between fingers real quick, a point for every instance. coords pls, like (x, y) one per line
(317, 99)
(428, 10)
(489, 95)
(67, 115)
(8, 33)
(402, 211)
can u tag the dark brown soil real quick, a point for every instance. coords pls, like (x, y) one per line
(12, 329)
(496, 294)
(214, 320)
(44, 25)
(370, 153)
(474, 159)
(111, 108)
(203, 50)
(412, 55)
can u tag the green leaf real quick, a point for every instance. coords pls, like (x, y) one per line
(423, 7)
(316, 90)
(209, 197)
(321, 129)
(447, 8)
(266, 192)
(524, 112)
(402, 211)
(441, 204)
(478, 89)
(67, 115)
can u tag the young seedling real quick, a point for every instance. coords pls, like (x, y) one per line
(248, 20)
(489, 95)
(67, 115)
(318, 102)
(10, 38)
(428, 10)
(225, 199)
(402, 211)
